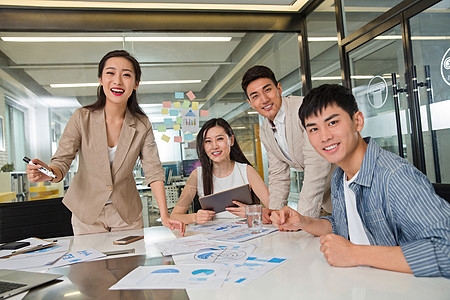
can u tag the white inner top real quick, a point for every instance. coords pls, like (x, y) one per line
(279, 132)
(112, 154)
(237, 178)
(355, 227)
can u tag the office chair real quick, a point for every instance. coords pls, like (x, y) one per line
(443, 190)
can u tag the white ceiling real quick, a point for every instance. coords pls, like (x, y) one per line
(256, 5)
(219, 66)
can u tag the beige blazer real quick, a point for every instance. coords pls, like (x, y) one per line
(95, 181)
(304, 158)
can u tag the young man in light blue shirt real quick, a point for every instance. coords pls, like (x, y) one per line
(385, 211)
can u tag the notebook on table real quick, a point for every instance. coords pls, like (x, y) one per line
(14, 282)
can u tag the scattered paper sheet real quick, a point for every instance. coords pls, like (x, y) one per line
(231, 231)
(179, 95)
(214, 228)
(254, 267)
(173, 112)
(168, 121)
(176, 127)
(77, 257)
(195, 105)
(59, 246)
(184, 245)
(36, 260)
(165, 111)
(174, 277)
(239, 235)
(177, 104)
(35, 244)
(167, 104)
(204, 113)
(177, 139)
(44, 261)
(222, 254)
(162, 128)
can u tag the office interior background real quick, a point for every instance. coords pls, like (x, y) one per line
(394, 55)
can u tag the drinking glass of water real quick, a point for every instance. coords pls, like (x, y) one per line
(254, 217)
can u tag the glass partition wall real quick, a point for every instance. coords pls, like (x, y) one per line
(398, 70)
(48, 70)
(45, 77)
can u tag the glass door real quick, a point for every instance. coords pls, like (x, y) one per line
(431, 56)
(378, 83)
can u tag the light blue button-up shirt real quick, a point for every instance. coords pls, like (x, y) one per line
(398, 207)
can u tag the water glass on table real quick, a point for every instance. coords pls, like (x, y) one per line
(254, 217)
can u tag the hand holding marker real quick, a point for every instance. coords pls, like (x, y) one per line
(42, 169)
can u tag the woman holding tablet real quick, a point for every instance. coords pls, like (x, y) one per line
(108, 136)
(223, 166)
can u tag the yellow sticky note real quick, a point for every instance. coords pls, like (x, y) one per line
(165, 138)
(194, 105)
(165, 111)
(176, 127)
(176, 104)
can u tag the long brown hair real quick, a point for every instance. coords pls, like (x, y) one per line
(236, 153)
(132, 103)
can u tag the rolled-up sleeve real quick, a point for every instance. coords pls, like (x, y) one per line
(333, 224)
(423, 223)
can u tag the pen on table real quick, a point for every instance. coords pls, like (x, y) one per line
(117, 252)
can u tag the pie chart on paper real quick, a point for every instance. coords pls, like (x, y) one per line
(203, 272)
(205, 255)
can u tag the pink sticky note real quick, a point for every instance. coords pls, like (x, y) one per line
(190, 95)
(204, 113)
(167, 104)
(178, 139)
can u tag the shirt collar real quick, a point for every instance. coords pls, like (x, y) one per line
(369, 163)
(365, 173)
(281, 115)
(279, 118)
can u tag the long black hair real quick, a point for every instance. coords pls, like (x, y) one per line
(132, 103)
(236, 153)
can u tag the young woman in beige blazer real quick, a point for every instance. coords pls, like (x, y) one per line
(109, 136)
